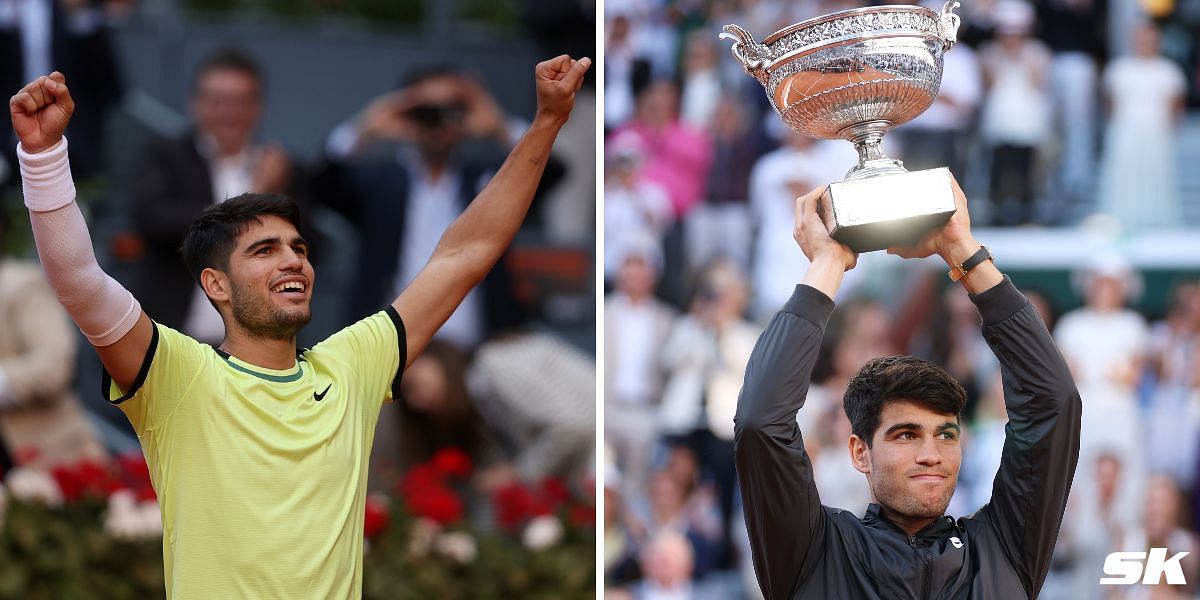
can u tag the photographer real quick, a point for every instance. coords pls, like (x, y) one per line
(402, 170)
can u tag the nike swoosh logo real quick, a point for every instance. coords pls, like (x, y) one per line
(321, 396)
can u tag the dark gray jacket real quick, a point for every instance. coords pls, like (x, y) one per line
(805, 550)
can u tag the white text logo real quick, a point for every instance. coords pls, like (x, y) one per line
(1127, 567)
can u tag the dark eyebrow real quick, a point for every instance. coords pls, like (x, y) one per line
(272, 241)
(299, 241)
(900, 427)
(949, 426)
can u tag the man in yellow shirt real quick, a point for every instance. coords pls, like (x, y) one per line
(258, 452)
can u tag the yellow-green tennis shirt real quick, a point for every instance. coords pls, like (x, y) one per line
(261, 474)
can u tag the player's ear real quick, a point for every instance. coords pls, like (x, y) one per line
(860, 454)
(216, 285)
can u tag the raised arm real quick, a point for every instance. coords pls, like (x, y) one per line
(477, 238)
(107, 313)
(1041, 440)
(783, 509)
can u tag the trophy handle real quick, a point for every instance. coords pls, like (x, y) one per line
(748, 52)
(948, 24)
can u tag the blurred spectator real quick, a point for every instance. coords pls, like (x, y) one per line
(667, 563)
(42, 423)
(1145, 94)
(672, 506)
(538, 394)
(705, 358)
(436, 411)
(619, 546)
(178, 177)
(40, 36)
(1017, 113)
(1092, 528)
(938, 137)
(1075, 31)
(677, 158)
(721, 225)
(1163, 527)
(677, 154)
(701, 80)
(626, 71)
(402, 200)
(636, 327)
(1105, 345)
(635, 209)
(1174, 416)
(778, 178)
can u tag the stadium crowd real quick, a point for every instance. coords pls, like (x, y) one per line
(1050, 113)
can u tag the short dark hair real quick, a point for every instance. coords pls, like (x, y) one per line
(892, 378)
(428, 72)
(227, 59)
(213, 235)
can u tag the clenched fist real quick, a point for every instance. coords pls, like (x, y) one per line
(557, 81)
(40, 112)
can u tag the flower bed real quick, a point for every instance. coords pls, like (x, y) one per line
(93, 531)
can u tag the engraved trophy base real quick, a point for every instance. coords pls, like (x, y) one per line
(890, 210)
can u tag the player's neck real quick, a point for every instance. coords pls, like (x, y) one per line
(261, 352)
(909, 525)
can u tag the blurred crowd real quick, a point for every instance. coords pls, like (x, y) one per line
(393, 175)
(1046, 114)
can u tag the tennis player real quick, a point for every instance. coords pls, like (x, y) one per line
(258, 451)
(905, 418)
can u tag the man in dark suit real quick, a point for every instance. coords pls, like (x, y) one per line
(402, 170)
(178, 177)
(37, 36)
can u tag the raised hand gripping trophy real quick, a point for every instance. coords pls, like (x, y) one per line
(854, 75)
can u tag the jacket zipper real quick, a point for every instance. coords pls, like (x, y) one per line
(926, 563)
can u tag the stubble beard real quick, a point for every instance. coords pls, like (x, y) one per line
(899, 500)
(262, 319)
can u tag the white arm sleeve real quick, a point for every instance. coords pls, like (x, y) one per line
(103, 309)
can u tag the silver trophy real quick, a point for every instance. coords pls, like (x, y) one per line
(854, 75)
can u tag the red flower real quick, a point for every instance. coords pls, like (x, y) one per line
(419, 480)
(582, 516)
(554, 492)
(516, 503)
(452, 462)
(377, 516)
(437, 503)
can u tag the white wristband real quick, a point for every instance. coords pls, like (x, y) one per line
(46, 178)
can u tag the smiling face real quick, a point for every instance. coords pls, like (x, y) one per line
(913, 460)
(267, 287)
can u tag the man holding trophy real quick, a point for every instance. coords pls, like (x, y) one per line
(855, 74)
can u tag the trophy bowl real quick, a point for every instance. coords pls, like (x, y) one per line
(854, 75)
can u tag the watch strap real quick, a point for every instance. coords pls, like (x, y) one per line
(957, 273)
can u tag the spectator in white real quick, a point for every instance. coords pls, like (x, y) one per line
(538, 393)
(1145, 96)
(701, 80)
(1174, 416)
(778, 178)
(634, 208)
(1092, 527)
(42, 423)
(1017, 114)
(636, 327)
(625, 69)
(705, 358)
(938, 137)
(1105, 345)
